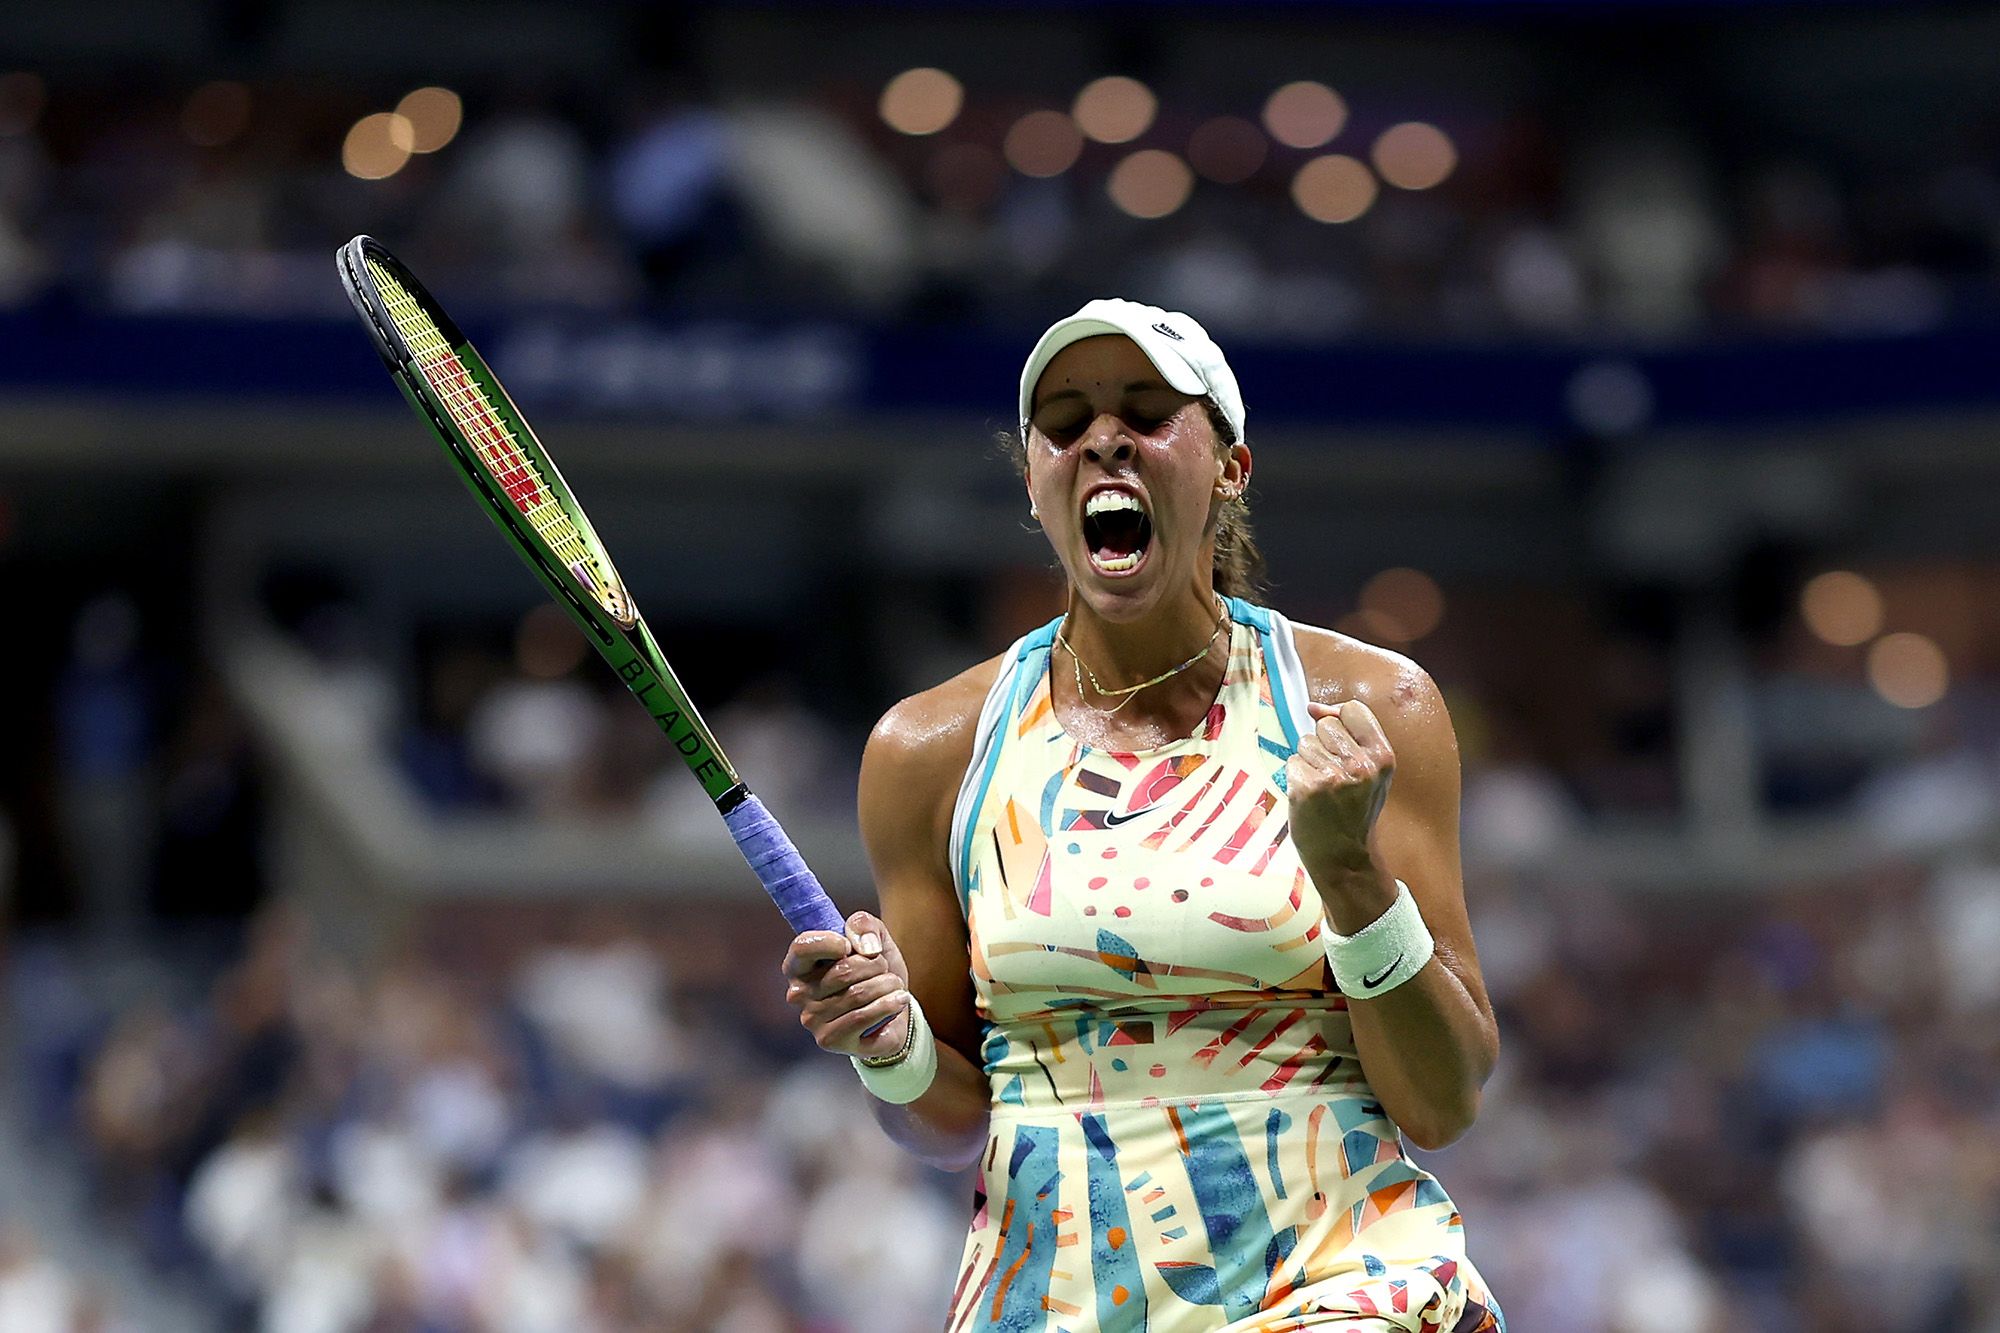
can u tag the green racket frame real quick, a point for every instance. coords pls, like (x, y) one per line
(472, 415)
(605, 613)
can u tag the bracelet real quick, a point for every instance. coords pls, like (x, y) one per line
(1383, 954)
(907, 1074)
(898, 1055)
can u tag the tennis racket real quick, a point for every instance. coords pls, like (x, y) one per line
(516, 483)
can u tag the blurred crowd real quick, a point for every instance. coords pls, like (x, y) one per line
(1718, 1111)
(578, 1138)
(535, 726)
(147, 194)
(1742, 1114)
(1744, 1109)
(38, 1294)
(1713, 1115)
(527, 721)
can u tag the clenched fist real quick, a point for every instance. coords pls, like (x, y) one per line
(843, 985)
(1336, 784)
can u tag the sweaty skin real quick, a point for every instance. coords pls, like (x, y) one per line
(1104, 417)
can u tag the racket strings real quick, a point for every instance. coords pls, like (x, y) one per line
(498, 448)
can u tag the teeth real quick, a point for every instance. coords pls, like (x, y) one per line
(1102, 502)
(1115, 564)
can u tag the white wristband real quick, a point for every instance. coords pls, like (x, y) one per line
(910, 1077)
(1383, 954)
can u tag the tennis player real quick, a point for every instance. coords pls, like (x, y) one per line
(1162, 948)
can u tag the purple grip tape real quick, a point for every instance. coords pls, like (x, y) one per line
(783, 871)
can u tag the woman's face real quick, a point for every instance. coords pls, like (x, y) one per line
(1126, 474)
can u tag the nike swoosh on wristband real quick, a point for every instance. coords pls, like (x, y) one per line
(1370, 983)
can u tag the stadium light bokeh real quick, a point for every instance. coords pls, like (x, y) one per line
(1304, 114)
(435, 115)
(378, 146)
(1115, 109)
(1151, 183)
(921, 101)
(1842, 608)
(1334, 188)
(1407, 599)
(1908, 670)
(1414, 155)
(1043, 144)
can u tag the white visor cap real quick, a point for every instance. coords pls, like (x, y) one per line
(1179, 349)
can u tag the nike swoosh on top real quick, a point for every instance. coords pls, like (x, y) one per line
(1370, 983)
(1112, 819)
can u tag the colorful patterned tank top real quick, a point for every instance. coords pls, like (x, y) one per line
(1182, 1135)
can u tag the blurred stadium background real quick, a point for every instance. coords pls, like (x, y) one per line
(368, 967)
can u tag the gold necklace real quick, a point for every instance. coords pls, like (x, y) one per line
(1081, 668)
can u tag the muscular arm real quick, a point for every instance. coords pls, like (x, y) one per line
(1429, 1045)
(910, 775)
(842, 985)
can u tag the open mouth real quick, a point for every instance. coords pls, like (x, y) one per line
(1116, 531)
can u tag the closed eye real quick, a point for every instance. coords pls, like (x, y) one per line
(1144, 412)
(1148, 411)
(1062, 430)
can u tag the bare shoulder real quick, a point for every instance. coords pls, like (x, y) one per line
(930, 735)
(1400, 693)
(916, 757)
